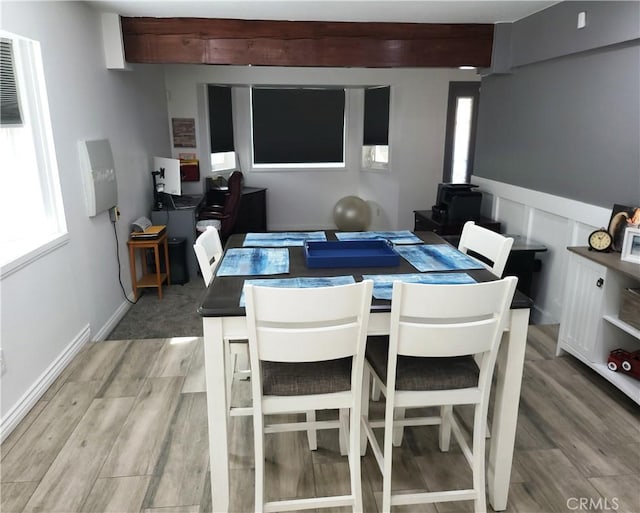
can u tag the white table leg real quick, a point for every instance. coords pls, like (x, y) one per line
(509, 367)
(218, 409)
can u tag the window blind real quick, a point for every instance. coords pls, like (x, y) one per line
(297, 125)
(376, 116)
(220, 119)
(9, 102)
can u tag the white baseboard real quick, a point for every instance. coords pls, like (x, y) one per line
(31, 396)
(539, 316)
(113, 321)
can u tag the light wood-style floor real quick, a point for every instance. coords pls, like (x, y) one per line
(124, 429)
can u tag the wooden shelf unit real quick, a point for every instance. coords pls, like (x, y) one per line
(149, 280)
(590, 327)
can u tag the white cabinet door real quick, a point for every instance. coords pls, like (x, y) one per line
(581, 322)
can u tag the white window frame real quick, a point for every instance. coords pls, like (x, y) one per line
(460, 154)
(51, 231)
(223, 161)
(453, 138)
(375, 157)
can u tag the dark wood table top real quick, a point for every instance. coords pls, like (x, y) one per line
(222, 297)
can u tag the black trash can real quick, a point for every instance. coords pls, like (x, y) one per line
(177, 260)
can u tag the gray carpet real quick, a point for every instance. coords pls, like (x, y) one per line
(175, 315)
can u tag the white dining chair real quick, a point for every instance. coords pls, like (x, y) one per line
(428, 360)
(307, 351)
(493, 249)
(208, 250)
(489, 245)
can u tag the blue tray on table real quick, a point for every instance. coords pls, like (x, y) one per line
(360, 253)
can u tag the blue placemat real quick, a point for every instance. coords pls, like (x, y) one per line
(395, 237)
(254, 262)
(383, 283)
(437, 257)
(281, 239)
(302, 283)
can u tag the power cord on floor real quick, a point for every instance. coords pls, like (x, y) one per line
(115, 231)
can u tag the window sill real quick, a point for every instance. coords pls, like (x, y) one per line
(19, 256)
(223, 171)
(376, 168)
(270, 168)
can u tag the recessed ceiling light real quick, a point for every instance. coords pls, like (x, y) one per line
(466, 67)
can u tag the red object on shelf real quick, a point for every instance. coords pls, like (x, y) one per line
(624, 361)
(189, 170)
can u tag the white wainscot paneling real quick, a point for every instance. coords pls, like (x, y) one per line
(554, 221)
(551, 230)
(581, 233)
(512, 215)
(486, 208)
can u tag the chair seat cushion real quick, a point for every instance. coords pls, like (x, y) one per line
(306, 378)
(414, 373)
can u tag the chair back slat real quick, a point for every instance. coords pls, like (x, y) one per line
(308, 345)
(446, 339)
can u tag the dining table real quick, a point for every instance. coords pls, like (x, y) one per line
(224, 322)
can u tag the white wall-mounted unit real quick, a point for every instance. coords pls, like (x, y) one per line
(98, 176)
(112, 42)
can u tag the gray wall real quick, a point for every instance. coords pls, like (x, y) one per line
(52, 304)
(567, 121)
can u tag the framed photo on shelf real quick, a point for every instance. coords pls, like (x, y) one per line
(622, 216)
(631, 245)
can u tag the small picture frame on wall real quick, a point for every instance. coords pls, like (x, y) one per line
(622, 217)
(184, 132)
(631, 245)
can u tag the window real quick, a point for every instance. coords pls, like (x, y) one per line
(375, 140)
(29, 182)
(298, 127)
(223, 161)
(223, 155)
(10, 114)
(462, 114)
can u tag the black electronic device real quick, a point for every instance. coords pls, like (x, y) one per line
(457, 202)
(157, 186)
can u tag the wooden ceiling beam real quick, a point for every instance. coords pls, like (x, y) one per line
(318, 44)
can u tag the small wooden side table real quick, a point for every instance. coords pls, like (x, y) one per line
(149, 279)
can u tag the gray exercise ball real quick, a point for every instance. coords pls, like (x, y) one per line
(352, 214)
